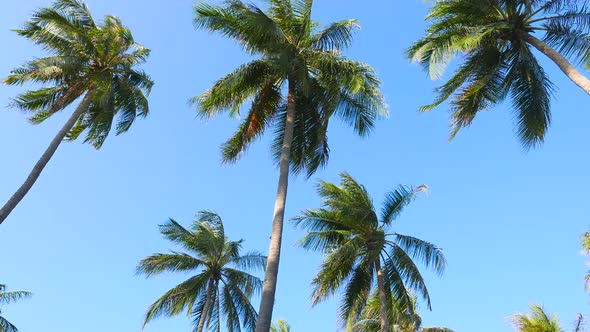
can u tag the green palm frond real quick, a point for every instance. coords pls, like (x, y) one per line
(12, 296)
(397, 199)
(251, 261)
(336, 36)
(179, 298)
(6, 326)
(357, 289)
(427, 253)
(173, 262)
(261, 114)
(400, 267)
(531, 98)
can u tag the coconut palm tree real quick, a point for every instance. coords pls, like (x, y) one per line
(88, 61)
(221, 287)
(537, 321)
(298, 80)
(495, 39)
(360, 248)
(586, 249)
(403, 319)
(280, 326)
(7, 298)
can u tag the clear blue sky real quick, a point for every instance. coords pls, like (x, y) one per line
(509, 221)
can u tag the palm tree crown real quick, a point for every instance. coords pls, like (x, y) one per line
(7, 298)
(94, 62)
(404, 319)
(290, 49)
(496, 38)
(537, 321)
(360, 248)
(87, 58)
(221, 287)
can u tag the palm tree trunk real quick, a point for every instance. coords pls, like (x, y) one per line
(274, 252)
(205, 307)
(42, 162)
(382, 298)
(566, 67)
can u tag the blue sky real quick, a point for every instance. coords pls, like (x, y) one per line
(508, 221)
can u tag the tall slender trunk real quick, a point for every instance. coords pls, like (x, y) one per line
(42, 162)
(382, 298)
(206, 306)
(274, 252)
(566, 67)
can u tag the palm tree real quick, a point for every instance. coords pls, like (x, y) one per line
(496, 39)
(586, 249)
(538, 321)
(88, 61)
(221, 287)
(292, 55)
(7, 298)
(404, 319)
(280, 326)
(359, 248)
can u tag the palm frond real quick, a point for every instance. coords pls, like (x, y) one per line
(531, 92)
(253, 261)
(425, 252)
(233, 90)
(6, 326)
(335, 269)
(13, 296)
(396, 200)
(357, 290)
(336, 36)
(403, 275)
(173, 262)
(247, 24)
(264, 107)
(178, 298)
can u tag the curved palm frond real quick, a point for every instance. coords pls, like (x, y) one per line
(173, 262)
(397, 199)
(6, 326)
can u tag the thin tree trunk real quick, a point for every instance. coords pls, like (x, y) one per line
(274, 252)
(382, 298)
(566, 67)
(205, 307)
(42, 162)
